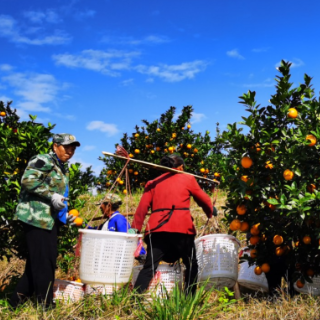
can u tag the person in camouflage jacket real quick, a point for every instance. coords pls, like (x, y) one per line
(42, 208)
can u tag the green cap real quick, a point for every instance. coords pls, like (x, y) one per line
(110, 198)
(65, 139)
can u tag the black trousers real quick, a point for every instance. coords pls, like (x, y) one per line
(169, 247)
(278, 271)
(38, 277)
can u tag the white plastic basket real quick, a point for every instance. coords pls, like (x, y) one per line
(166, 275)
(217, 256)
(248, 279)
(310, 288)
(107, 257)
(105, 289)
(67, 291)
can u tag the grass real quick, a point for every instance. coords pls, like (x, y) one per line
(125, 304)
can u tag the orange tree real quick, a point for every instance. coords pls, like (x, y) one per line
(168, 135)
(274, 175)
(20, 140)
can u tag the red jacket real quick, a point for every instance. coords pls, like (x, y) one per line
(171, 189)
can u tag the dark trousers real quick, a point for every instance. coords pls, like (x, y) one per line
(278, 271)
(38, 277)
(169, 247)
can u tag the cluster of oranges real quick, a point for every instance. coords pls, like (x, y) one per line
(274, 183)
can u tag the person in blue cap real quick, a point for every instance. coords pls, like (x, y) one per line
(115, 220)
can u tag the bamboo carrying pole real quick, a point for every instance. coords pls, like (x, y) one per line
(159, 167)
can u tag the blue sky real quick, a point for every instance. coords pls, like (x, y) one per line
(97, 68)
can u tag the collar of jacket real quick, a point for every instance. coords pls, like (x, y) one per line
(63, 166)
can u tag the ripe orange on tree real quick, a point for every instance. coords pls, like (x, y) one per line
(188, 126)
(241, 209)
(288, 174)
(136, 173)
(244, 178)
(306, 239)
(311, 187)
(254, 240)
(257, 270)
(158, 148)
(137, 151)
(258, 148)
(292, 113)
(235, 225)
(207, 171)
(246, 162)
(131, 155)
(255, 229)
(279, 251)
(217, 174)
(265, 267)
(278, 240)
(2, 114)
(299, 284)
(269, 165)
(244, 226)
(195, 150)
(136, 135)
(189, 146)
(158, 129)
(202, 170)
(312, 139)
(74, 212)
(253, 253)
(124, 191)
(130, 170)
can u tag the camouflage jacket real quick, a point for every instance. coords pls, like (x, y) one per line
(43, 177)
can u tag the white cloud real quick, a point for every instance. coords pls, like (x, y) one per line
(295, 63)
(235, 54)
(109, 128)
(10, 29)
(81, 15)
(150, 39)
(105, 62)
(174, 73)
(5, 99)
(35, 90)
(88, 148)
(6, 67)
(127, 82)
(84, 164)
(49, 16)
(197, 117)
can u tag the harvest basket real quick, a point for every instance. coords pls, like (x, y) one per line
(67, 291)
(107, 257)
(248, 279)
(310, 288)
(104, 289)
(217, 256)
(166, 276)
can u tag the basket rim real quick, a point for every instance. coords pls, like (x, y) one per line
(218, 235)
(110, 233)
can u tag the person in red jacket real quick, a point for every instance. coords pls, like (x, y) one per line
(170, 232)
